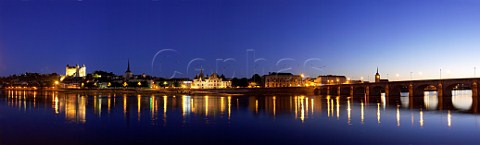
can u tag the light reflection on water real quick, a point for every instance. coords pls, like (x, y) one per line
(430, 100)
(74, 106)
(462, 99)
(404, 99)
(174, 113)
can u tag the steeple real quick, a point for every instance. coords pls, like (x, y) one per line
(377, 76)
(128, 74)
(128, 68)
(201, 72)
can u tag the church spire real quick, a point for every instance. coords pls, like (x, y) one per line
(201, 72)
(128, 68)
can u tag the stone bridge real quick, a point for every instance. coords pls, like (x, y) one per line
(443, 87)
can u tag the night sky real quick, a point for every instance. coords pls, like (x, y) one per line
(403, 38)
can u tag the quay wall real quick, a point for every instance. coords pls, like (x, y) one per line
(227, 91)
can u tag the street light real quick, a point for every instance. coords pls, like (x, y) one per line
(56, 84)
(411, 75)
(165, 84)
(440, 73)
(474, 71)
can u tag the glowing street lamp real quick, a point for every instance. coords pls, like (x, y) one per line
(165, 84)
(125, 84)
(56, 84)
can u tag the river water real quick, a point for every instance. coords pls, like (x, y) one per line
(31, 117)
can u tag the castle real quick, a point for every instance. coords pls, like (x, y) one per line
(76, 71)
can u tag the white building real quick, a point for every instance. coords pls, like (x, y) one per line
(76, 71)
(212, 82)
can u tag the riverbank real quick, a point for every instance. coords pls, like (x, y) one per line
(168, 92)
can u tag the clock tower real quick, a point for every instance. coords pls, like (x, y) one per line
(377, 77)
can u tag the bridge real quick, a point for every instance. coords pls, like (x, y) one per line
(443, 87)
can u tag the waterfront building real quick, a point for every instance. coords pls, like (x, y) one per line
(274, 80)
(75, 71)
(253, 84)
(309, 82)
(71, 82)
(173, 83)
(330, 80)
(210, 82)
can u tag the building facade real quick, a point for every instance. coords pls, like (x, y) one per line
(211, 82)
(276, 80)
(330, 80)
(76, 71)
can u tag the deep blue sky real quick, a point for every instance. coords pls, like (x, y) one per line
(349, 37)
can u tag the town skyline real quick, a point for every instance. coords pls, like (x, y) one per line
(282, 65)
(239, 72)
(405, 39)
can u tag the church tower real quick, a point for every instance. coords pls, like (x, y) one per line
(377, 77)
(128, 74)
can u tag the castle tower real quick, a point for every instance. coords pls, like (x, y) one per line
(377, 77)
(76, 71)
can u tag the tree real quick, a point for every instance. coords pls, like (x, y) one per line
(243, 82)
(256, 78)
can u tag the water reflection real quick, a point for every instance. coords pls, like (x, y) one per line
(362, 113)
(398, 115)
(404, 99)
(462, 99)
(349, 110)
(430, 100)
(421, 118)
(75, 108)
(186, 106)
(449, 119)
(208, 109)
(383, 100)
(378, 113)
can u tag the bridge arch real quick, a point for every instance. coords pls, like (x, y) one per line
(461, 86)
(333, 90)
(345, 90)
(377, 90)
(323, 90)
(358, 90)
(419, 90)
(317, 91)
(395, 90)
